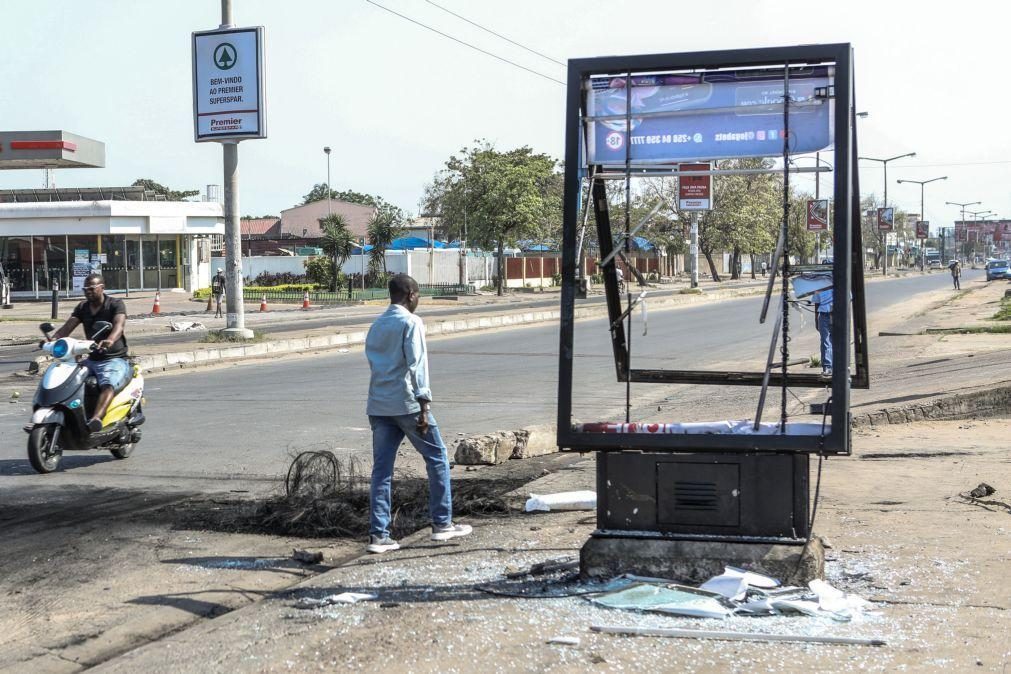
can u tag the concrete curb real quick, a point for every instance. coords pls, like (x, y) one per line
(992, 402)
(232, 353)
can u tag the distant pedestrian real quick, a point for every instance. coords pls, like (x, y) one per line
(218, 290)
(398, 407)
(956, 274)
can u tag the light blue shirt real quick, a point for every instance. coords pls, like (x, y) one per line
(823, 298)
(398, 360)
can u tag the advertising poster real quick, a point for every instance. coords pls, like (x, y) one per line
(922, 229)
(694, 192)
(82, 267)
(817, 215)
(886, 219)
(716, 115)
(228, 84)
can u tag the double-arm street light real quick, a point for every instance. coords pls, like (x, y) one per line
(962, 206)
(884, 235)
(975, 218)
(923, 215)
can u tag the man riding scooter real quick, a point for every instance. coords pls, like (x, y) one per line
(108, 362)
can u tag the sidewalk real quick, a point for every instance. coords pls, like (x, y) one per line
(932, 562)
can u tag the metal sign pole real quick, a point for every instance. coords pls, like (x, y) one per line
(693, 258)
(235, 317)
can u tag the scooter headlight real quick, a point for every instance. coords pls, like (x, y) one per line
(60, 348)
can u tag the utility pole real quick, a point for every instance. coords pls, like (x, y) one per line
(923, 215)
(235, 318)
(884, 235)
(975, 219)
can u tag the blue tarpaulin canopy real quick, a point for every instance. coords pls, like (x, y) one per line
(357, 250)
(412, 242)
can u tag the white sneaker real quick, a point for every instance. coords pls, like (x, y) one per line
(378, 545)
(448, 531)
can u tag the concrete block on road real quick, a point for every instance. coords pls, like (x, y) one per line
(356, 337)
(233, 352)
(322, 341)
(535, 441)
(488, 449)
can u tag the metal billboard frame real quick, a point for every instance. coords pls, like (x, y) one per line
(847, 266)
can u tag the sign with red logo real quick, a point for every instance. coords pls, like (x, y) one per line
(922, 229)
(694, 192)
(886, 219)
(817, 215)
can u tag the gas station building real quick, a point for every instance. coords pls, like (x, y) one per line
(54, 237)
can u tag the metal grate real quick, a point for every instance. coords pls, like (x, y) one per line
(696, 496)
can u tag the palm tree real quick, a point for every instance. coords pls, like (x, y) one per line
(337, 242)
(383, 231)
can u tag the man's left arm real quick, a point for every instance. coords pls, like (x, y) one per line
(416, 354)
(118, 325)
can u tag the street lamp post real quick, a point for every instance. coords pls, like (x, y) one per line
(962, 206)
(975, 218)
(329, 208)
(923, 215)
(884, 235)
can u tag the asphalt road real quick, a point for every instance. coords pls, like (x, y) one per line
(235, 427)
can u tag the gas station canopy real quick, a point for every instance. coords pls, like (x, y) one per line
(49, 149)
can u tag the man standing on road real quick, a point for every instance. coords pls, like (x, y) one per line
(218, 290)
(956, 274)
(398, 407)
(108, 362)
(822, 301)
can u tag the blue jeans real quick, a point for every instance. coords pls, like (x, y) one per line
(825, 331)
(114, 372)
(387, 434)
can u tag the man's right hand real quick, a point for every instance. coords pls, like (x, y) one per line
(423, 418)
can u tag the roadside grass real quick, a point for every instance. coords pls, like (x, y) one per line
(23, 319)
(975, 330)
(1004, 313)
(219, 338)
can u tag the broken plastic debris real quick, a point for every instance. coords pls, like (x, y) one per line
(672, 599)
(564, 641)
(184, 326)
(982, 491)
(342, 598)
(566, 500)
(733, 583)
(307, 557)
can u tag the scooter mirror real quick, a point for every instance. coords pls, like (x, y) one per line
(101, 329)
(46, 328)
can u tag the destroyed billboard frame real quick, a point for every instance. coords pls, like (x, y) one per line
(832, 66)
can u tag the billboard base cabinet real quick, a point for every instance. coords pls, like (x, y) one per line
(685, 516)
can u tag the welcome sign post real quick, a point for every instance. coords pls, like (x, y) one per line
(227, 108)
(694, 194)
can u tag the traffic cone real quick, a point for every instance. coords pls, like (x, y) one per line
(157, 304)
(305, 301)
(210, 298)
(263, 303)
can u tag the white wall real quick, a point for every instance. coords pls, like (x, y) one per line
(441, 265)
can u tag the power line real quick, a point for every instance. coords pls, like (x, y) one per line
(965, 163)
(488, 30)
(466, 44)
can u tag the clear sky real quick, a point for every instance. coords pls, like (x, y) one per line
(394, 100)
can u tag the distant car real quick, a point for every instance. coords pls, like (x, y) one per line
(826, 260)
(934, 264)
(997, 269)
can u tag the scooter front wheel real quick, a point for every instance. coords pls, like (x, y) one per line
(44, 451)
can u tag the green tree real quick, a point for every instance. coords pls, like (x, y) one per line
(337, 243)
(319, 191)
(382, 232)
(170, 194)
(319, 270)
(501, 196)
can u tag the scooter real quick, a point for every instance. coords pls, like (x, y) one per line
(66, 398)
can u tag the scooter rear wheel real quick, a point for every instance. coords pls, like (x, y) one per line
(43, 454)
(122, 451)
